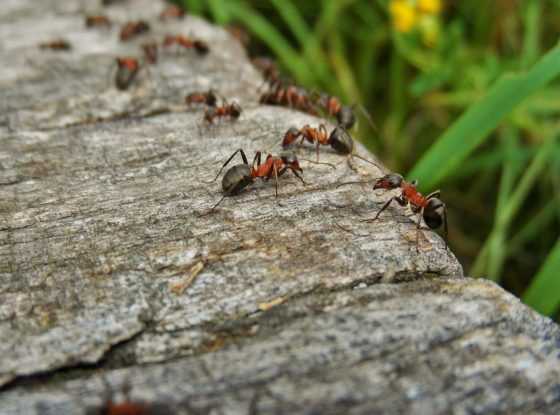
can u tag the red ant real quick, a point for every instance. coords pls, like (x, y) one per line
(343, 113)
(429, 207)
(98, 21)
(187, 43)
(127, 69)
(290, 96)
(127, 407)
(58, 44)
(209, 98)
(267, 68)
(240, 176)
(339, 139)
(150, 50)
(133, 29)
(172, 12)
(232, 110)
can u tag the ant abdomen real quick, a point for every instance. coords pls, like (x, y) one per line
(236, 179)
(341, 141)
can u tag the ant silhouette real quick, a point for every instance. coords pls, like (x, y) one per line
(430, 207)
(239, 176)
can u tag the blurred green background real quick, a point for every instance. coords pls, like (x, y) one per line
(466, 95)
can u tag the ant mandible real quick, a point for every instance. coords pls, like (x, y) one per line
(209, 98)
(133, 29)
(429, 207)
(240, 176)
(187, 43)
(232, 110)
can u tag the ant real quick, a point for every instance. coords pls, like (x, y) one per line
(58, 44)
(290, 96)
(339, 139)
(172, 12)
(133, 29)
(150, 50)
(232, 110)
(209, 98)
(343, 113)
(98, 21)
(268, 68)
(429, 207)
(127, 69)
(240, 176)
(127, 407)
(187, 43)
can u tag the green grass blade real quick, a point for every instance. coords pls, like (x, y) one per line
(543, 293)
(268, 34)
(471, 129)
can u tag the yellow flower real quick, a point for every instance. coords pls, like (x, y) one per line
(403, 15)
(429, 6)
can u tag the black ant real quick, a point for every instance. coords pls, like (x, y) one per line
(127, 69)
(240, 176)
(200, 46)
(98, 21)
(133, 29)
(429, 207)
(172, 12)
(58, 45)
(209, 98)
(128, 407)
(150, 50)
(233, 111)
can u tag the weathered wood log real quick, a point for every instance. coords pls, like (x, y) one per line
(110, 263)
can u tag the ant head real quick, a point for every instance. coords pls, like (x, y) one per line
(236, 179)
(341, 141)
(434, 213)
(235, 109)
(201, 47)
(211, 97)
(346, 117)
(290, 159)
(290, 137)
(389, 181)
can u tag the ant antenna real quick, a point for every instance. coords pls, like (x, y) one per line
(368, 117)
(356, 182)
(213, 207)
(367, 161)
(318, 162)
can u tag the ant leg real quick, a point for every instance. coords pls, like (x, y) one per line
(243, 156)
(275, 170)
(257, 159)
(385, 206)
(418, 226)
(318, 144)
(298, 176)
(213, 207)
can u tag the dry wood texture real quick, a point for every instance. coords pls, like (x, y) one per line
(110, 268)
